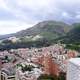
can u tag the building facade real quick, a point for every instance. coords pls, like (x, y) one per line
(73, 69)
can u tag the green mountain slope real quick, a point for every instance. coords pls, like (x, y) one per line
(42, 34)
(73, 36)
(46, 29)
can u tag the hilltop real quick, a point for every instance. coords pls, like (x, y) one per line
(44, 34)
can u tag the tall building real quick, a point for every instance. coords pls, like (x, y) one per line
(73, 69)
(50, 67)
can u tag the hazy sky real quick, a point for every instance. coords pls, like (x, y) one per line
(16, 15)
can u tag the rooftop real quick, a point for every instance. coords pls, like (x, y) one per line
(9, 71)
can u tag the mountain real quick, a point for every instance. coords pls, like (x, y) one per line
(6, 36)
(46, 29)
(73, 36)
(44, 34)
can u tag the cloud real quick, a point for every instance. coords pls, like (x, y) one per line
(33, 11)
(38, 10)
(13, 26)
(2, 4)
(30, 10)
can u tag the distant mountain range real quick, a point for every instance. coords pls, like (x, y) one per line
(47, 29)
(50, 30)
(73, 36)
(5, 36)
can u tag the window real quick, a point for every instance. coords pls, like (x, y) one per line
(3, 77)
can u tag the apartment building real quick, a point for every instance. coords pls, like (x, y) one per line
(73, 69)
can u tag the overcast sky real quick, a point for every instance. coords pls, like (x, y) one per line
(16, 15)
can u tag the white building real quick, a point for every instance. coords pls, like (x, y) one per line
(73, 69)
(7, 74)
(28, 75)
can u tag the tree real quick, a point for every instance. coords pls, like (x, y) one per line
(46, 77)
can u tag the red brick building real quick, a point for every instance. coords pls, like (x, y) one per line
(49, 66)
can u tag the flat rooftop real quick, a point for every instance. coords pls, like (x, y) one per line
(75, 61)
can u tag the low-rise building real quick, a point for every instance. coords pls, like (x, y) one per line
(7, 74)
